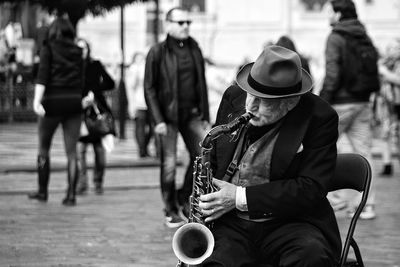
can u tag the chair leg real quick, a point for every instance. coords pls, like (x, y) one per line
(357, 252)
(351, 263)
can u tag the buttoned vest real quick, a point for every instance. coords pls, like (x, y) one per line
(255, 164)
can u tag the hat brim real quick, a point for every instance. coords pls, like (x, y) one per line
(241, 80)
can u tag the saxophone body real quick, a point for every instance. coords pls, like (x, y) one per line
(193, 242)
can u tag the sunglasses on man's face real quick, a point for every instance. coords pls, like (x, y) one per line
(181, 22)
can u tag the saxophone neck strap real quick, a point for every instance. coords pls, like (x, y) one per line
(233, 166)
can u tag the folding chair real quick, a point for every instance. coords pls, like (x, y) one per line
(353, 171)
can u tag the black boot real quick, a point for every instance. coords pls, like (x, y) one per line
(99, 168)
(98, 189)
(387, 170)
(82, 186)
(98, 180)
(70, 199)
(43, 169)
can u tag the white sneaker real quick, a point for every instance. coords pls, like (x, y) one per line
(368, 213)
(173, 220)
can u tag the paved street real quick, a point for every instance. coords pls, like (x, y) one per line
(124, 227)
(19, 142)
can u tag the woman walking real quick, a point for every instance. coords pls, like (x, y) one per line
(97, 81)
(57, 100)
(137, 107)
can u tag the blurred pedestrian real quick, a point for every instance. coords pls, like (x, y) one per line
(288, 43)
(3, 70)
(97, 81)
(42, 32)
(349, 81)
(390, 93)
(390, 75)
(176, 95)
(3, 48)
(137, 107)
(57, 100)
(389, 70)
(218, 78)
(383, 126)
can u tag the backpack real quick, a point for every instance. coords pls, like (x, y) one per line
(361, 75)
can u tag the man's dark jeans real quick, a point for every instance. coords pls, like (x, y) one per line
(192, 131)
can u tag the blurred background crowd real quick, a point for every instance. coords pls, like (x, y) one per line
(230, 33)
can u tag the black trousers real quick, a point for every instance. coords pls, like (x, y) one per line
(239, 242)
(192, 130)
(99, 163)
(47, 126)
(143, 131)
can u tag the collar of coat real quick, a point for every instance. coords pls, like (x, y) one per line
(190, 41)
(290, 137)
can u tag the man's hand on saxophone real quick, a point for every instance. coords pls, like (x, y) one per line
(215, 204)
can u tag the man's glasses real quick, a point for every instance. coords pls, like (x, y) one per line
(181, 22)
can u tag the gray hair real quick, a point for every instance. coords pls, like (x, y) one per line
(289, 103)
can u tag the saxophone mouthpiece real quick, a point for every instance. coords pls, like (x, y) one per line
(251, 115)
(245, 118)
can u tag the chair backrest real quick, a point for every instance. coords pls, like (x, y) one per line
(353, 171)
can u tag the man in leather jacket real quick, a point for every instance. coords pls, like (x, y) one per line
(176, 95)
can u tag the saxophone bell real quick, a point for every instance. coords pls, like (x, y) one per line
(193, 243)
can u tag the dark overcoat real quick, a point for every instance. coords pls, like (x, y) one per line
(302, 164)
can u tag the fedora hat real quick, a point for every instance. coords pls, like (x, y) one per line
(277, 73)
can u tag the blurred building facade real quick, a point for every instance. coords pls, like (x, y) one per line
(231, 31)
(19, 26)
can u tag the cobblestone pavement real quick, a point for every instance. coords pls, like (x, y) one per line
(124, 227)
(19, 142)
(18, 146)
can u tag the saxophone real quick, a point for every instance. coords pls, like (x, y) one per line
(193, 242)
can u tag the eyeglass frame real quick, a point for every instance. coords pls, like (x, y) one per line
(181, 22)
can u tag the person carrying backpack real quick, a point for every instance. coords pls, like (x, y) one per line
(351, 76)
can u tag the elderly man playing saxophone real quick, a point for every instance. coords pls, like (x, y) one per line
(271, 206)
